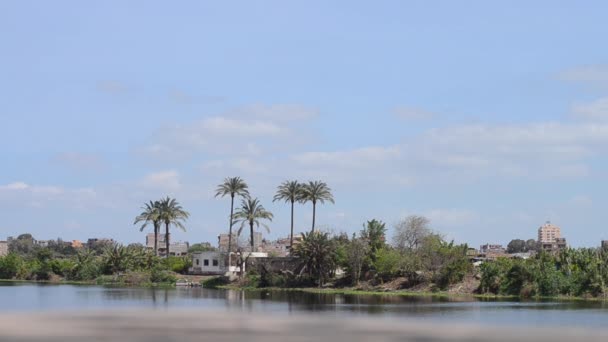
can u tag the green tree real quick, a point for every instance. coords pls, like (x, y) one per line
(233, 186)
(171, 213)
(516, 246)
(150, 214)
(374, 232)
(318, 252)
(316, 192)
(252, 212)
(290, 192)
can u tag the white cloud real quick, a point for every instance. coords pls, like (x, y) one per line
(163, 180)
(409, 113)
(15, 186)
(593, 111)
(242, 131)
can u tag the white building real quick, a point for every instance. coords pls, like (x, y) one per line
(210, 263)
(215, 263)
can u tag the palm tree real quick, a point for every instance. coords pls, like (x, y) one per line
(151, 214)
(290, 192)
(171, 213)
(233, 186)
(314, 192)
(251, 211)
(318, 253)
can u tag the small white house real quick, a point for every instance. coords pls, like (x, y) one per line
(208, 263)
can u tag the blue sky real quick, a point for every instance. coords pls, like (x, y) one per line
(487, 117)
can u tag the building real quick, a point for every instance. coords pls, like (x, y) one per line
(222, 242)
(178, 248)
(491, 249)
(605, 244)
(208, 263)
(550, 237)
(150, 241)
(3, 248)
(77, 244)
(280, 247)
(92, 242)
(548, 232)
(175, 248)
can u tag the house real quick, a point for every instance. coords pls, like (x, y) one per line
(208, 263)
(216, 263)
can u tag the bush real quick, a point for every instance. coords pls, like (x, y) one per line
(387, 263)
(162, 276)
(215, 282)
(10, 265)
(177, 264)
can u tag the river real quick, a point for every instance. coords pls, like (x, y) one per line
(22, 297)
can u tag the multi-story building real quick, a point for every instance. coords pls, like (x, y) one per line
(550, 237)
(175, 248)
(3, 248)
(547, 233)
(222, 242)
(605, 244)
(150, 241)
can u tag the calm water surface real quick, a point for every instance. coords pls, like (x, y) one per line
(32, 297)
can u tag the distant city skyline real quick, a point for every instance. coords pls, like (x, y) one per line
(488, 118)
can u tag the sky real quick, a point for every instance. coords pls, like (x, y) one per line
(487, 117)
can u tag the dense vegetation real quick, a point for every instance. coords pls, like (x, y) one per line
(102, 263)
(571, 272)
(424, 257)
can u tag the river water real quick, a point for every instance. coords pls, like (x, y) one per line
(44, 298)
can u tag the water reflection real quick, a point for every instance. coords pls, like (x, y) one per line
(28, 297)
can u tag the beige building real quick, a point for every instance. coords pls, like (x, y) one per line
(3, 248)
(550, 237)
(548, 232)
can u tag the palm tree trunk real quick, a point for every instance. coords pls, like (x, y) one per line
(251, 230)
(230, 229)
(291, 239)
(167, 238)
(314, 209)
(156, 228)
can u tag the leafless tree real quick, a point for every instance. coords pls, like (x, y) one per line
(411, 232)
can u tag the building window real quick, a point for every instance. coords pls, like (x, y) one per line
(215, 262)
(206, 262)
(197, 262)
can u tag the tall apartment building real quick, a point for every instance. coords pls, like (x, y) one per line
(550, 237)
(548, 232)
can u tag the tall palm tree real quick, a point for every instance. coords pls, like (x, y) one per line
(314, 192)
(251, 212)
(171, 213)
(151, 214)
(233, 186)
(290, 192)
